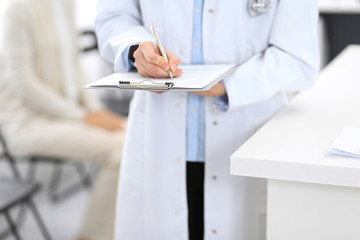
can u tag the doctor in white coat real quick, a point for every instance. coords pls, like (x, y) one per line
(275, 41)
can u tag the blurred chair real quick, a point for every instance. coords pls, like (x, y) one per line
(54, 193)
(15, 192)
(91, 36)
(4, 153)
(58, 165)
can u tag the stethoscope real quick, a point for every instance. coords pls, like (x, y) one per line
(257, 7)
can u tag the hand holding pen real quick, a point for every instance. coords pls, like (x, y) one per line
(160, 46)
(155, 61)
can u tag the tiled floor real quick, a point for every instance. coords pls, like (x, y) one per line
(62, 219)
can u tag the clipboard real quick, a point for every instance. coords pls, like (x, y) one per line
(195, 78)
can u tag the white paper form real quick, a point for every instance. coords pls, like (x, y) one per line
(194, 77)
(347, 144)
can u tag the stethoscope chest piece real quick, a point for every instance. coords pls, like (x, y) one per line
(257, 7)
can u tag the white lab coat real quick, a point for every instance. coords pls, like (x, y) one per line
(279, 54)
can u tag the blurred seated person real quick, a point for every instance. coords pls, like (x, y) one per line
(43, 109)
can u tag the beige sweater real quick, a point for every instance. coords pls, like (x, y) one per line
(31, 81)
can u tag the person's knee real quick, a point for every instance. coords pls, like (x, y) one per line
(114, 158)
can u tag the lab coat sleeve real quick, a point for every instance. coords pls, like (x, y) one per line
(20, 69)
(118, 25)
(222, 102)
(289, 64)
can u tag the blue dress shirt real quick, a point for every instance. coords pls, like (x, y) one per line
(195, 118)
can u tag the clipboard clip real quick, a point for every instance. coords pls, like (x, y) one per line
(146, 85)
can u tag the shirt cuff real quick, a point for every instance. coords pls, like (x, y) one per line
(222, 102)
(129, 65)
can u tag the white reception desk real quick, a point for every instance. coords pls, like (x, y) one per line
(310, 196)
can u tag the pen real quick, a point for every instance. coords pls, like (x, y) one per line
(160, 46)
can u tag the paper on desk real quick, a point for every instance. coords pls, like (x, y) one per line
(346, 144)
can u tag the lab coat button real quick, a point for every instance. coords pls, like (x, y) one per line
(211, 10)
(214, 177)
(193, 110)
(177, 105)
(214, 231)
(177, 213)
(197, 10)
(178, 160)
(215, 123)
